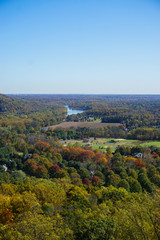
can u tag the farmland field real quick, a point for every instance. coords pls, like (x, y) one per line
(103, 143)
(94, 125)
(151, 143)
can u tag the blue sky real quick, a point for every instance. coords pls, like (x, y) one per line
(80, 46)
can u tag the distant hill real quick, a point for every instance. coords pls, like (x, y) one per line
(9, 104)
(16, 105)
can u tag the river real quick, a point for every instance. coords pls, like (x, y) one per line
(71, 111)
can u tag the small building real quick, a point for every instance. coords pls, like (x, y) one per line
(26, 156)
(138, 155)
(85, 140)
(5, 167)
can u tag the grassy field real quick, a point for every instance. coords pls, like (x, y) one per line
(152, 143)
(113, 143)
(97, 120)
(103, 143)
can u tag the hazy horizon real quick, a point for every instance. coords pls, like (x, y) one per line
(81, 94)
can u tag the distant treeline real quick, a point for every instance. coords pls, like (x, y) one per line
(139, 115)
(109, 132)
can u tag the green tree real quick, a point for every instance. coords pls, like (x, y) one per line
(124, 184)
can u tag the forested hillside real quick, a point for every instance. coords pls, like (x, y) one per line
(56, 190)
(8, 104)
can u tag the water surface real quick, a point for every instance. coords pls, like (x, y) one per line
(71, 111)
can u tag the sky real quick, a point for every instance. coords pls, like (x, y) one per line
(80, 46)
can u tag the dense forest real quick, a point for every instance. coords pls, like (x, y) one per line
(49, 190)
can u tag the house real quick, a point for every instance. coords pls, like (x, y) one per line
(5, 167)
(138, 155)
(85, 140)
(26, 156)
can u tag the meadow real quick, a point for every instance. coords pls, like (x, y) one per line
(104, 143)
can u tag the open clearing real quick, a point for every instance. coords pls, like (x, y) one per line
(103, 143)
(67, 125)
(153, 143)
